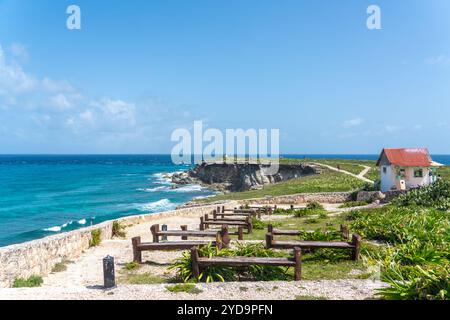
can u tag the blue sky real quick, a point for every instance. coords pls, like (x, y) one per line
(139, 69)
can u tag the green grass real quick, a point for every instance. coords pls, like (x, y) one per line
(129, 266)
(373, 174)
(353, 204)
(61, 266)
(184, 287)
(31, 282)
(444, 172)
(141, 278)
(96, 238)
(328, 181)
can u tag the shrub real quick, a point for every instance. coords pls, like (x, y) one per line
(183, 265)
(118, 230)
(131, 266)
(59, 267)
(436, 195)
(352, 204)
(96, 238)
(184, 287)
(31, 282)
(314, 205)
(416, 265)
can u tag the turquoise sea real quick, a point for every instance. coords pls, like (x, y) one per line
(46, 195)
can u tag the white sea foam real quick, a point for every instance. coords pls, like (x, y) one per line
(156, 189)
(53, 229)
(188, 188)
(160, 205)
(82, 221)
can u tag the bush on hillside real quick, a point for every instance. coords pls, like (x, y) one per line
(436, 195)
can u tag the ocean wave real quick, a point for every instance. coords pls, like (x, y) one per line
(160, 205)
(156, 189)
(82, 221)
(188, 188)
(53, 229)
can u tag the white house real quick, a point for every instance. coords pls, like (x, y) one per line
(403, 169)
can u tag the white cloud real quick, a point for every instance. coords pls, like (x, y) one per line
(13, 80)
(418, 127)
(353, 123)
(60, 101)
(19, 50)
(439, 60)
(392, 128)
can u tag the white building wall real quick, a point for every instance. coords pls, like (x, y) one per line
(387, 179)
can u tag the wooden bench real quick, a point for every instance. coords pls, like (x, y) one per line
(246, 223)
(354, 246)
(200, 262)
(184, 233)
(139, 246)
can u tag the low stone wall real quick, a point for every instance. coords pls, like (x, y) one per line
(38, 257)
(324, 197)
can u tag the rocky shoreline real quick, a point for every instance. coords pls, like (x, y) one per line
(237, 177)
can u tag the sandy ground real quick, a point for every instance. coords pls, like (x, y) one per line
(84, 277)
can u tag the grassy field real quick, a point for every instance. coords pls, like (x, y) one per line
(445, 172)
(328, 181)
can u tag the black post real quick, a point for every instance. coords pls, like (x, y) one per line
(164, 228)
(109, 276)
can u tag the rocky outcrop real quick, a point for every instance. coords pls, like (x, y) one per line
(241, 177)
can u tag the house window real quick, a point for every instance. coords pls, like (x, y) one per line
(418, 173)
(384, 169)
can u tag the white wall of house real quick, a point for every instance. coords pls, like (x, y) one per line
(389, 179)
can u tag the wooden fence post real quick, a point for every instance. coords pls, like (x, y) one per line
(184, 228)
(202, 225)
(214, 214)
(269, 240)
(240, 233)
(137, 254)
(270, 228)
(195, 266)
(249, 224)
(155, 229)
(225, 237)
(298, 263)
(344, 231)
(356, 241)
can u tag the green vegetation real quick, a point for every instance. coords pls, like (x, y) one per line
(31, 282)
(96, 238)
(118, 230)
(184, 287)
(183, 265)
(436, 195)
(353, 204)
(373, 174)
(313, 208)
(129, 266)
(328, 181)
(141, 278)
(61, 266)
(416, 265)
(444, 172)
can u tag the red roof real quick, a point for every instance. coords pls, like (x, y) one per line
(417, 157)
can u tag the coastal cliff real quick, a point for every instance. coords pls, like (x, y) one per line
(240, 177)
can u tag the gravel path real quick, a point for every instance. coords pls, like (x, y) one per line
(329, 289)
